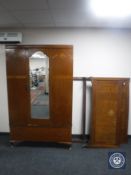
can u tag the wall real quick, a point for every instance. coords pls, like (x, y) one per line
(97, 52)
(4, 123)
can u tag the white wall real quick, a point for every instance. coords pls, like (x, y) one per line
(4, 123)
(105, 53)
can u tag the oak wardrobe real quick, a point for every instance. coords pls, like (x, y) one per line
(39, 82)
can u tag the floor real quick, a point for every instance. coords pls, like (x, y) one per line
(30, 158)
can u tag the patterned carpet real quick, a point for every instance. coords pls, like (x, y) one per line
(35, 93)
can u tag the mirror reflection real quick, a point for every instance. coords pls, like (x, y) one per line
(39, 85)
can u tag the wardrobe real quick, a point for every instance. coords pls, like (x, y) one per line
(39, 79)
(109, 118)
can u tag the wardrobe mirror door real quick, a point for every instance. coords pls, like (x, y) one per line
(39, 85)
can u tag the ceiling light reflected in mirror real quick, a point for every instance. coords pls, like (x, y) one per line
(38, 55)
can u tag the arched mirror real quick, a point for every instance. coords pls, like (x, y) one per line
(39, 85)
